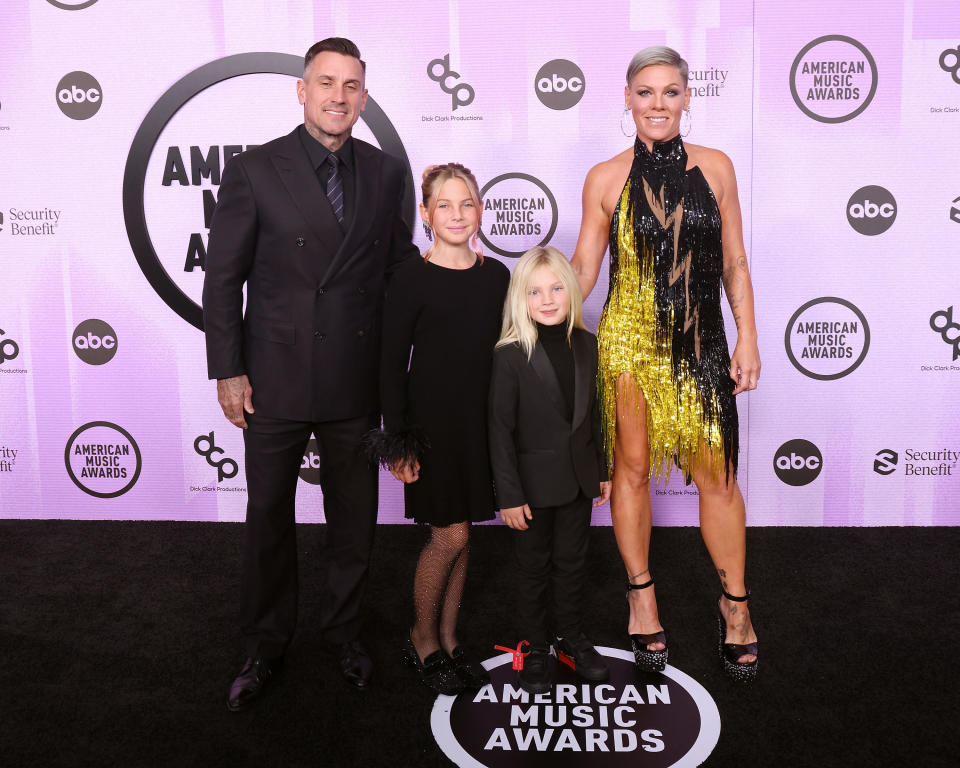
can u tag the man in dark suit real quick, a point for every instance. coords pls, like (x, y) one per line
(311, 222)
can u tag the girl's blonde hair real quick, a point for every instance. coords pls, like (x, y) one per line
(518, 326)
(433, 178)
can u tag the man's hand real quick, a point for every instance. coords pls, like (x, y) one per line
(516, 517)
(236, 396)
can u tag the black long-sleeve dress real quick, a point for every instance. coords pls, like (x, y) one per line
(450, 319)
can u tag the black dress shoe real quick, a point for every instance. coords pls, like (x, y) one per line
(250, 682)
(436, 670)
(468, 669)
(537, 675)
(588, 663)
(356, 664)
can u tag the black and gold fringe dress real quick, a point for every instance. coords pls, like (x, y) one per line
(662, 323)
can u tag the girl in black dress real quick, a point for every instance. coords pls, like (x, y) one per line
(441, 321)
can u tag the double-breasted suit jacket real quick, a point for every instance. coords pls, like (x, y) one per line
(539, 456)
(309, 340)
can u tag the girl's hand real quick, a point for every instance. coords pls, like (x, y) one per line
(406, 471)
(604, 494)
(516, 517)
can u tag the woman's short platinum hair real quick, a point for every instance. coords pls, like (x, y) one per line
(657, 54)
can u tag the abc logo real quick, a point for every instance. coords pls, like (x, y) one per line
(559, 84)
(310, 464)
(871, 210)
(79, 95)
(797, 462)
(95, 342)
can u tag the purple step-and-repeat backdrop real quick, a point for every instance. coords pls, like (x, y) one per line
(116, 119)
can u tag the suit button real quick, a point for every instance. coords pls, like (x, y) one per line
(321, 291)
(360, 332)
(376, 242)
(361, 291)
(301, 242)
(319, 335)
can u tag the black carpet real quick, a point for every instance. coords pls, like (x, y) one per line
(118, 643)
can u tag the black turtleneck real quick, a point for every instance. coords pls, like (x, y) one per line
(555, 344)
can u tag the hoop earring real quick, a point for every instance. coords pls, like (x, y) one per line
(427, 231)
(689, 119)
(633, 131)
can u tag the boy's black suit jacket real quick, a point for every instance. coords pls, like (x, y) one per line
(539, 458)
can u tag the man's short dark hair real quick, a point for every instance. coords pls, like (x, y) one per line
(337, 45)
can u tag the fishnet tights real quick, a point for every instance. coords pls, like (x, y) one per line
(438, 587)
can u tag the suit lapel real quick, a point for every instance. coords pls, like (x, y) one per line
(293, 167)
(544, 369)
(366, 196)
(581, 385)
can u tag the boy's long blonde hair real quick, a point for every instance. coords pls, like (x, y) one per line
(518, 326)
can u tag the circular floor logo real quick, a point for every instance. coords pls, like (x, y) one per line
(871, 210)
(519, 212)
(103, 459)
(649, 719)
(559, 84)
(827, 338)
(95, 342)
(798, 462)
(833, 79)
(203, 165)
(79, 95)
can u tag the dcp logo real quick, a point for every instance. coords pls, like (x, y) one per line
(950, 62)
(942, 322)
(206, 447)
(871, 210)
(95, 342)
(885, 462)
(559, 84)
(79, 95)
(9, 349)
(461, 94)
(797, 462)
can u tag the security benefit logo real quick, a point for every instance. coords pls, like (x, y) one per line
(827, 338)
(559, 84)
(798, 462)
(79, 95)
(833, 79)
(8, 458)
(95, 342)
(659, 719)
(943, 322)
(871, 210)
(178, 155)
(32, 222)
(935, 462)
(103, 459)
(519, 212)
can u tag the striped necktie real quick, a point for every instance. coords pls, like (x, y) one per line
(335, 187)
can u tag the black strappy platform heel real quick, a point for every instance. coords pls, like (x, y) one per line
(650, 661)
(730, 653)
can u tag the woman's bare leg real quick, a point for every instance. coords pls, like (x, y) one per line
(724, 530)
(630, 506)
